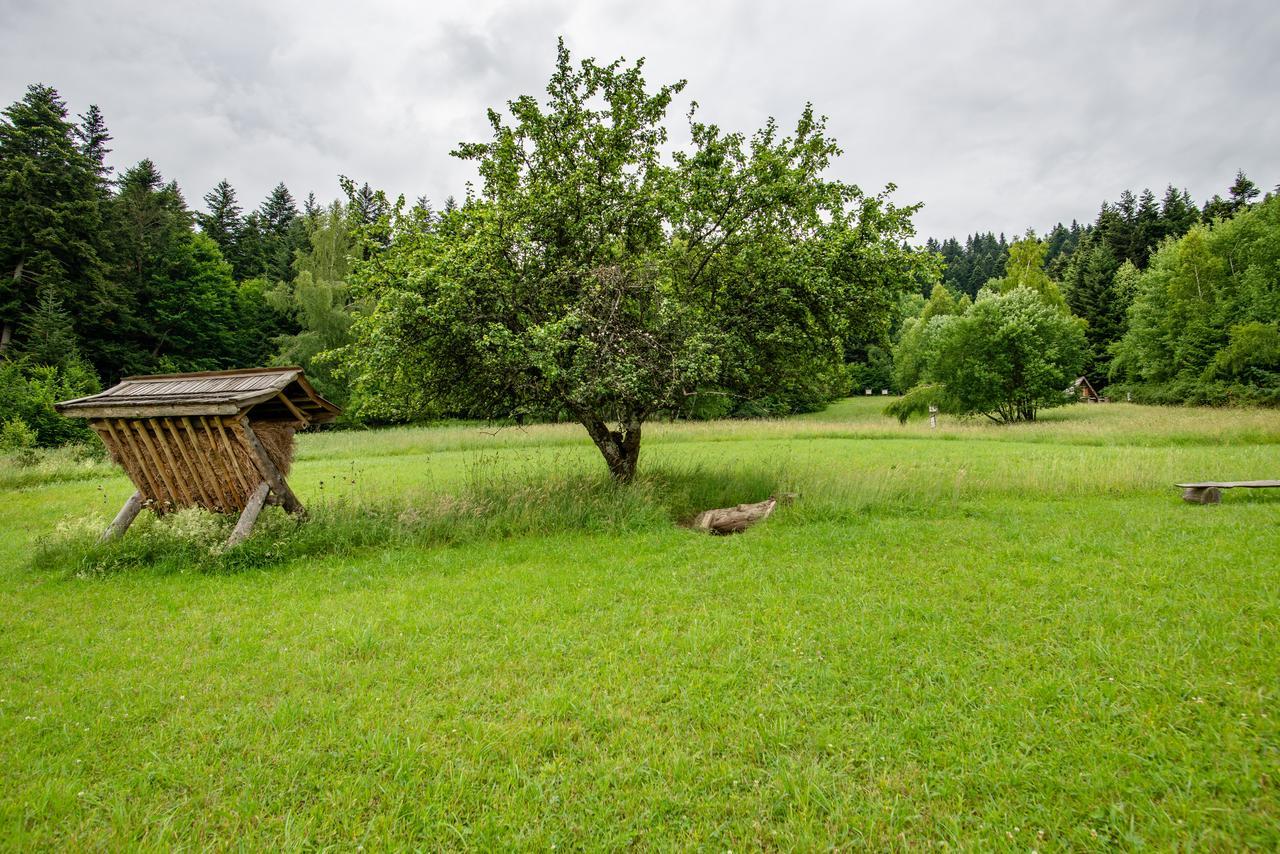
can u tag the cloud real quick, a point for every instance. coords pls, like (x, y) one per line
(997, 115)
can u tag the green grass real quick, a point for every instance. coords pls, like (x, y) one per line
(987, 637)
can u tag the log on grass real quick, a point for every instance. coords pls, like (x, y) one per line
(735, 520)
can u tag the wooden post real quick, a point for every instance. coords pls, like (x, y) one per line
(250, 514)
(933, 416)
(1202, 495)
(269, 471)
(124, 518)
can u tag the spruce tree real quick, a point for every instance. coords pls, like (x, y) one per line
(50, 217)
(282, 234)
(47, 335)
(225, 225)
(1242, 192)
(93, 136)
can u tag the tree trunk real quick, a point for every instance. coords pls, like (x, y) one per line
(621, 449)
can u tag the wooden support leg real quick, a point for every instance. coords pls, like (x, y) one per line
(1202, 495)
(124, 518)
(269, 471)
(250, 514)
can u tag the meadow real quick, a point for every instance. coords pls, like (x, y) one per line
(972, 636)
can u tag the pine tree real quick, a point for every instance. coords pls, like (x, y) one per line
(50, 216)
(1242, 192)
(1089, 293)
(278, 211)
(225, 225)
(47, 335)
(1148, 229)
(282, 234)
(93, 136)
(1177, 212)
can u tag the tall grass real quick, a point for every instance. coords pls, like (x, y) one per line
(496, 501)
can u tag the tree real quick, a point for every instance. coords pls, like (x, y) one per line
(1092, 297)
(1025, 269)
(1242, 192)
(595, 275)
(224, 225)
(1200, 321)
(93, 136)
(915, 341)
(282, 234)
(47, 334)
(50, 215)
(1006, 358)
(319, 302)
(178, 306)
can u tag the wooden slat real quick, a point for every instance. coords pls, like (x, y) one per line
(213, 474)
(194, 475)
(267, 468)
(247, 484)
(185, 488)
(158, 473)
(297, 413)
(124, 440)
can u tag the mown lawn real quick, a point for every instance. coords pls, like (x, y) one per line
(973, 636)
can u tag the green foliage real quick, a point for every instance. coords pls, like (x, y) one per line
(1007, 357)
(28, 392)
(47, 337)
(319, 302)
(1024, 268)
(50, 214)
(919, 401)
(915, 342)
(1200, 324)
(15, 435)
(596, 275)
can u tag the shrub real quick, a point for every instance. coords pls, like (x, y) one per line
(16, 435)
(1008, 356)
(28, 392)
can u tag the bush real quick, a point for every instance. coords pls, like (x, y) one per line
(16, 435)
(28, 392)
(1008, 356)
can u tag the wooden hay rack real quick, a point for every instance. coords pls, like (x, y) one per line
(221, 440)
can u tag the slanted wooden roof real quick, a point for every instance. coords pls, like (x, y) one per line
(271, 393)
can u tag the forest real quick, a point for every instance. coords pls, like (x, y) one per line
(108, 273)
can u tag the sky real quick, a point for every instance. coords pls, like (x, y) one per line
(996, 115)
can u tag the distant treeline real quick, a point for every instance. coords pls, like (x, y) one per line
(104, 275)
(1181, 302)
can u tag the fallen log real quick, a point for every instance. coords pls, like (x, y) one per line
(735, 520)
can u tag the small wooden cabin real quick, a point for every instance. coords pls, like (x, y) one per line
(221, 440)
(1084, 392)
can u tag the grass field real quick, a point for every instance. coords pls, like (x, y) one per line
(975, 636)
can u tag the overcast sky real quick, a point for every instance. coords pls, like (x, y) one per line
(996, 115)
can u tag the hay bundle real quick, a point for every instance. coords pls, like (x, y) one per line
(197, 461)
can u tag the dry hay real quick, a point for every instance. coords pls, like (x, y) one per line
(204, 462)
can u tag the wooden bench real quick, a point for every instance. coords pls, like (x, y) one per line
(1210, 492)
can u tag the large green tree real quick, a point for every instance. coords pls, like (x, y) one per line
(1008, 356)
(598, 276)
(319, 301)
(179, 307)
(50, 214)
(1200, 326)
